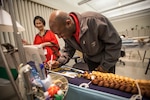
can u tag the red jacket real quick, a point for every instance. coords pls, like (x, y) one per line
(48, 37)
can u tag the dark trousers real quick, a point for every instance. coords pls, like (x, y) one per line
(93, 65)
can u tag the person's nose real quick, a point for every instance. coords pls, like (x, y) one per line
(38, 25)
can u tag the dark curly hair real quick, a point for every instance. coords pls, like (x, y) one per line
(40, 18)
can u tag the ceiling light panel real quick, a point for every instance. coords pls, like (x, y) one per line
(102, 5)
(128, 9)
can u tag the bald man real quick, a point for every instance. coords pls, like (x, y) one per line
(92, 34)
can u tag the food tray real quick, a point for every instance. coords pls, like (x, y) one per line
(67, 71)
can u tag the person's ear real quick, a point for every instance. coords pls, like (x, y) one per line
(68, 23)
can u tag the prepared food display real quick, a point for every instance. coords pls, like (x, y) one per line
(118, 82)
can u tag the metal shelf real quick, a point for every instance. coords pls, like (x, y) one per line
(17, 38)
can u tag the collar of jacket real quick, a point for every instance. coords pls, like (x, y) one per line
(83, 27)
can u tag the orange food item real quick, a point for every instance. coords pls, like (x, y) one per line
(53, 90)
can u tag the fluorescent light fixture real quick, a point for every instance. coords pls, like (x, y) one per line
(6, 22)
(83, 1)
(121, 6)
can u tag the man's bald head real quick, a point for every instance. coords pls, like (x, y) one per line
(61, 24)
(57, 18)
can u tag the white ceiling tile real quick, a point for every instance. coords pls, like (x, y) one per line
(106, 7)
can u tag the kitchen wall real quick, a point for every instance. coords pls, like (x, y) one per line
(133, 27)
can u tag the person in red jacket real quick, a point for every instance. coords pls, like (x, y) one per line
(46, 39)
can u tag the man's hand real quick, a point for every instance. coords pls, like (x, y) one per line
(99, 68)
(53, 64)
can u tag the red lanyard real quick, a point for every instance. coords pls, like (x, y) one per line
(76, 35)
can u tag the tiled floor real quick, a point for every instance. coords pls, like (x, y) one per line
(134, 67)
